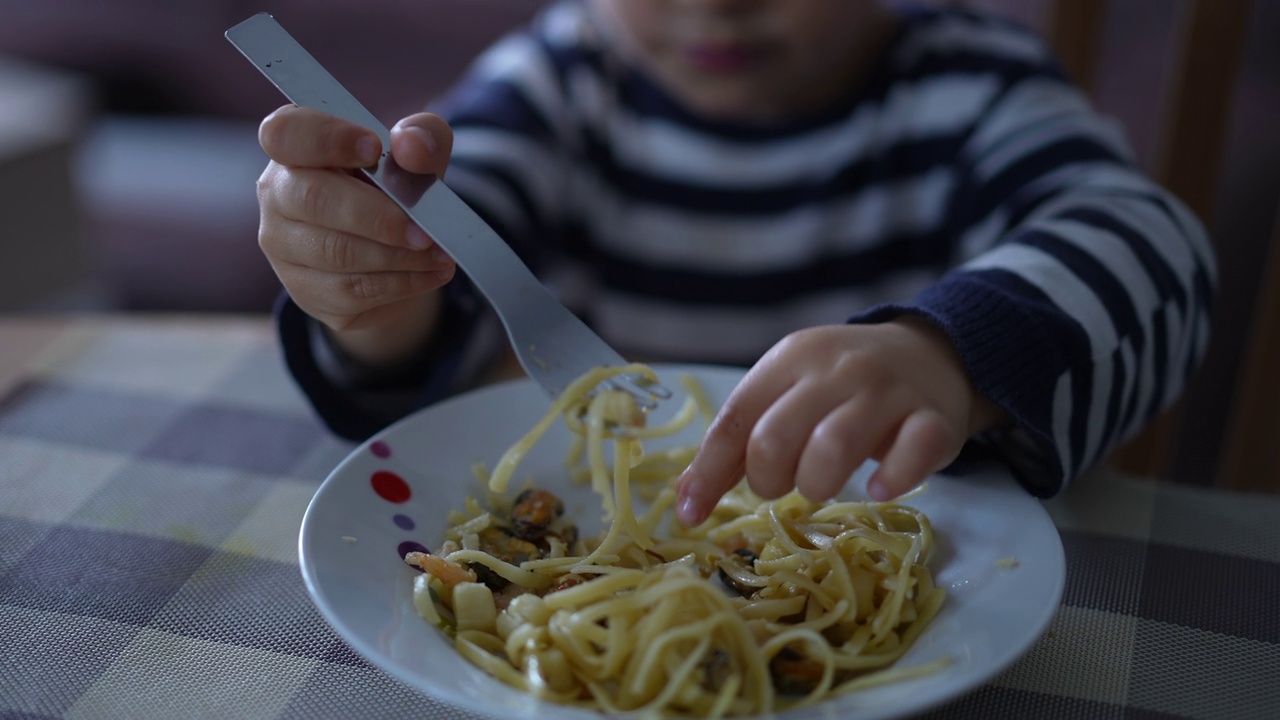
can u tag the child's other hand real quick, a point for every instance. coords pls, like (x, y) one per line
(345, 252)
(825, 399)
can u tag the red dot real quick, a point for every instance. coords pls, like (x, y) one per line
(390, 486)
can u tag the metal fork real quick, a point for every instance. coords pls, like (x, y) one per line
(552, 344)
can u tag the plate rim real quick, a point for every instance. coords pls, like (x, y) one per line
(1000, 662)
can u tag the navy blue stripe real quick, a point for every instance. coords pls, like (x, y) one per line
(498, 105)
(898, 163)
(1201, 284)
(1110, 292)
(1010, 182)
(1069, 337)
(1081, 403)
(699, 287)
(1156, 265)
(1191, 324)
(1072, 341)
(1115, 402)
(1131, 402)
(1160, 362)
(524, 236)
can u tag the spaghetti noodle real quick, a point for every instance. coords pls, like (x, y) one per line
(767, 605)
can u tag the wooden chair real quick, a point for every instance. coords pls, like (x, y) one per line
(1189, 161)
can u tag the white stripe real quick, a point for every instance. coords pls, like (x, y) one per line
(935, 106)
(667, 236)
(1155, 226)
(1179, 338)
(1083, 182)
(519, 61)
(1195, 234)
(1147, 383)
(1099, 393)
(665, 330)
(481, 193)
(1061, 423)
(563, 24)
(991, 229)
(1202, 332)
(1131, 380)
(1065, 290)
(1117, 258)
(1028, 103)
(984, 234)
(977, 36)
(1077, 183)
(1032, 139)
(533, 167)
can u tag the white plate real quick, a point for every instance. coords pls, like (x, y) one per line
(352, 538)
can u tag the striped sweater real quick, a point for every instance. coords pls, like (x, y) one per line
(966, 181)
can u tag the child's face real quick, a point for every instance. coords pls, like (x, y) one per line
(749, 60)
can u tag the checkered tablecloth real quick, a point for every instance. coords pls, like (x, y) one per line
(153, 477)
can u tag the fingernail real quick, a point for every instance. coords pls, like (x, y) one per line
(427, 138)
(687, 512)
(367, 149)
(875, 488)
(417, 238)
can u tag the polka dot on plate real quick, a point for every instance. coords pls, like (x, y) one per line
(409, 546)
(380, 449)
(404, 522)
(390, 486)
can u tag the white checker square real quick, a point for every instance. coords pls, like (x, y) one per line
(271, 529)
(1105, 502)
(1085, 654)
(165, 359)
(47, 482)
(160, 676)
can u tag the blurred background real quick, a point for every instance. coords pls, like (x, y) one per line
(128, 136)
(128, 148)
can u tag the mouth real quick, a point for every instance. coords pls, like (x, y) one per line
(723, 58)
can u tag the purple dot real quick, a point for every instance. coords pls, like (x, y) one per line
(404, 522)
(380, 449)
(409, 546)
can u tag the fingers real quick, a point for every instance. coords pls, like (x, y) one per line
(334, 200)
(304, 137)
(334, 251)
(925, 443)
(341, 300)
(720, 460)
(422, 143)
(839, 444)
(778, 440)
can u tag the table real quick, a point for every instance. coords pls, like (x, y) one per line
(153, 477)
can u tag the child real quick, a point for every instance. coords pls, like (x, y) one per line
(911, 226)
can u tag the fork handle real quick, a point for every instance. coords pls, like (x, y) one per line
(485, 258)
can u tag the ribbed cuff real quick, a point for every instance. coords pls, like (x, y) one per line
(1011, 360)
(353, 402)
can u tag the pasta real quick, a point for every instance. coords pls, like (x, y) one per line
(765, 606)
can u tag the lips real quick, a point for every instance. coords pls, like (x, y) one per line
(723, 58)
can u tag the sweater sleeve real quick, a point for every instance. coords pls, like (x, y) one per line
(1080, 296)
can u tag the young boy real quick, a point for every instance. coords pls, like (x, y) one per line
(914, 230)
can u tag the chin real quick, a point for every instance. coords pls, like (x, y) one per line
(735, 109)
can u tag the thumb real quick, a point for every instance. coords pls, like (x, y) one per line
(422, 143)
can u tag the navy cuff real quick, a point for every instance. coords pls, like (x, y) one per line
(1011, 360)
